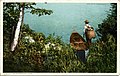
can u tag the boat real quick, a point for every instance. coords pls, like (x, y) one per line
(77, 42)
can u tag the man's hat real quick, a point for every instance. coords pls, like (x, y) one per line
(86, 21)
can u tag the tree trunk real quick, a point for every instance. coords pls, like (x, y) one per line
(17, 31)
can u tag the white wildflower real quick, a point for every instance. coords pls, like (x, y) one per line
(59, 48)
(30, 39)
(47, 46)
(53, 44)
(26, 37)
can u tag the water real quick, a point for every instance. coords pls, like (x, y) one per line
(67, 17)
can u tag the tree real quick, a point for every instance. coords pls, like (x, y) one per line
(109, 25)
(11, 60)
(11, 16)
(17, 30)
(103, 53)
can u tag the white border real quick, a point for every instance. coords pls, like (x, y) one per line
(65, 1)
(70, 74)
(118, 37)
(1, 37)
(60, 1)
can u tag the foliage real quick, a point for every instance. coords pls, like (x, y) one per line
(109, 25)
(11, 15)
(51, 54)
(103, 56)
(60, 57)
(10, 18)
(106, 47)
(23, 58)
(41, 57)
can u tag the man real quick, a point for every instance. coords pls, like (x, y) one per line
(87, 28)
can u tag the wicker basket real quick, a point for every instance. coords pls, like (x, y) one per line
(90, 34)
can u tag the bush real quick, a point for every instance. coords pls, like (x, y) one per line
(60, 57)
(51, 54)
(27, 55)
(103, 56)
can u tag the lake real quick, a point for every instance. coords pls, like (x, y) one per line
(67, 17)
